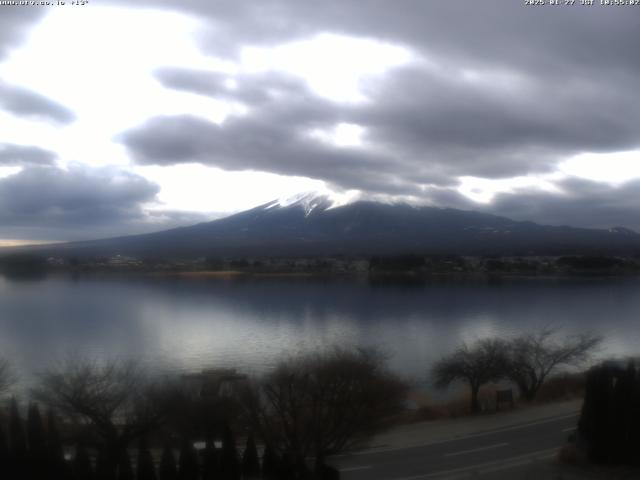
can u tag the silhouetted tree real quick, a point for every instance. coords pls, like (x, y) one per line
(36, 434)
(483, 362)
(168, 470)
(250, 460)
(7, 378)
(55, 452)
(533, 357)
(82, 468)
(17, 437)
(324, 403)
(145, 469)
(36, 438)
(113, 398)
(6, 464)
(210, 463)
(610, 420)
(4, 448)
(196, 415)
(188, 462)
(125, 471)
(229, 467)
(106, 465)
(325, 472)
(290, 468)
(270, 464)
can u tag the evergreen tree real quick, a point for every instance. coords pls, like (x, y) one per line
(4, 448)
(270, 464)
(287, 468)
(250, 460)
(6, 464)
(37, 456)
(55, 452)
(36, 434)
(594, 425)
(18, 440)
(168, 469)
(210, 464)
(610, 418)
(105, 468)
(125, 471)
(324, 471)
(18, 454)
(188, 463)
(82, 469)
(146, 469)
(229, 466)
(54, 444)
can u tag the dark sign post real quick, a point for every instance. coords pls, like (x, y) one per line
(504, 396)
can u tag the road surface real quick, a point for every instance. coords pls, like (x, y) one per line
(509, 446)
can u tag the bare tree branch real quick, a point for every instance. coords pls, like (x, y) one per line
(533, 357)
(324, 403)
(7, 378)
(113, 397)
(483, 362)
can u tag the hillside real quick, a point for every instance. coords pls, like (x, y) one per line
(310, 226)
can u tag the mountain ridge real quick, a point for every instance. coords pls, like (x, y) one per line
(316, 226)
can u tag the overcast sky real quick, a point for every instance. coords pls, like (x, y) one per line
(117, 119)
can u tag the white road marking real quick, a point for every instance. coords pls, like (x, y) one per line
(488, 466)
(473, 450)
(463, 437)
(570, 429)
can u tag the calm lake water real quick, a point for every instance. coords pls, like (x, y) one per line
(248, 323)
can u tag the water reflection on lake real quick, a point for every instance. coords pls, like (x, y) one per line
(248, 323)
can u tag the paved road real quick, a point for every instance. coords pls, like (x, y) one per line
(481, 452)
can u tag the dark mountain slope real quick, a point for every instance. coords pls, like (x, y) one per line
(309, 227)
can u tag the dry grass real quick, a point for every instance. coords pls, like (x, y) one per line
(561, 387)
(566, 386)
(454, 407)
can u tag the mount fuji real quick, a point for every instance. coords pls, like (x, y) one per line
(315, 225)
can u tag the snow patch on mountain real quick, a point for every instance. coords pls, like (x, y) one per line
(313, 201)
(622, 231)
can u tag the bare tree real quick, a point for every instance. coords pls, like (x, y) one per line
(112, 397)
(533, 357)
(324, 403)
(483, 362)
(7, 379)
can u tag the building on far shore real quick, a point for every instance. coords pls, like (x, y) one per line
(212, 382)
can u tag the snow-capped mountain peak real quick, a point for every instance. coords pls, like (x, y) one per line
(312, 201)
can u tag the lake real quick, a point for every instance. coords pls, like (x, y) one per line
(249, 323)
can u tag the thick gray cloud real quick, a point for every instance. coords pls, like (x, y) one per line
(50, 200)
(582, 202)
(464, 128)
(501, 90)
(82, 203)
(564, 40)
(255, 144)
(14, 24)
(578, 202)
(23, 102)
(511, 90)
(274, 138)
(21, 155)
(255, 90)
(422, 126)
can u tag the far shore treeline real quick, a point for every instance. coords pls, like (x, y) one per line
(37, 264)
